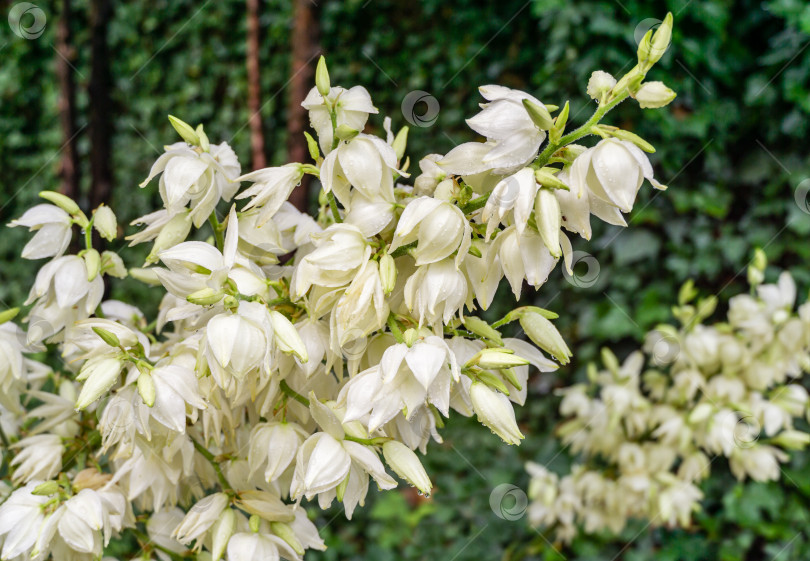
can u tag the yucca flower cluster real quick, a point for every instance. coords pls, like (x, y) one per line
(697, 397)
(293, 358)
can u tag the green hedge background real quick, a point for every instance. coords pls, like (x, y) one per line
(732, 148)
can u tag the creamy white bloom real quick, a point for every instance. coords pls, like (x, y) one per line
(495, 411)
(340, 251)
(436, 292)
(194, 178)
(438, 227)
(352, 108)
(39, 457)
(612, 171)
(200, 518)
(53, 231)
(271, 188)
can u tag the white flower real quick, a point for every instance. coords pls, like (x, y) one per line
(53, 231)
(352, 107)
(105, 223)
(495, 411)
(262, 546)
(760, 463)
(40, 457)
(200, 518)
(365, 163)
(512, 136)
(363, 308)
(274, 447)
(599, 83)
(340, 252)
(436, 292)
(432, 174)
(195, 178)
(612, 171)
(406, 464)
(522, 257)
(440, 228)
(654, 95)
(271, 188)
(175, 387)
(21, 518)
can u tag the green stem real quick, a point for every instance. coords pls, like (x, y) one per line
(377, 441)
(217, 227)
(333, 205)
(403, 249)
(292, 393)
(88, 235)
(214, 463)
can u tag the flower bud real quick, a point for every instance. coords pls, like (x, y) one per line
(493, 381)
(792, 439)
(173, 232)
(700, 413)
(185, 131)
(388, 273)
(622, 134)
(46, 489)
(254, 523)
(99, 375)
(652, 95)
(112, 265)
(8, 315)
(599, 84)
(548, 217)
(92, 261)
(497, 358)
(146, 276)
(547, 179)
(201, 517)
(495, 411)
(345, 132)
(286, 533)
(221, 532)
(760, 260)
(322, 77)
(661, 39)
(312, 146)
(410, 336)
(146, 388)
(65, 203)
(482, 329)
(205, 296)
(538, 114)
(287, 337)
(205, 144)
(107, 336)
(105, 223)
(555, 133)
(405, 463)
(400, 142)
(543, 333)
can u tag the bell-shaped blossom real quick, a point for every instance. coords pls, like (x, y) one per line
(340, 251)
(438, 227)
(495, 411)
(437, 291)
(22, 517)
(432, 175)
(522, 256)
(612, 171)
(363, 308)
(53, 231)
(200, 518)
(577, 206)
(176, 388)
(366, 163)
(352, 108)
(195, 178)
(39, 457)
(166, 229)
(271, 188)
(273, 446)
(512, 137)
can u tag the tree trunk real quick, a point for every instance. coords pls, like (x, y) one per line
(305, 47)
(65, 53)
(100, 105)
(254, 86)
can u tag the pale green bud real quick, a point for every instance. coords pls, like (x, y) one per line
(599, 84)
(286, 335)
(312, 146)
(105, 223)
(661, 39)
(146, 388)
(65, 203)
(112, 265)
(493, 381)
(92, 261)
(340, 490)
(205, 296)
(254, 523)
(322, 77)
(510, 376)
(400, 142)
(173, 232)
(483, 329)
(652, 95)
(760, 260)
(405, 463)
(8, 315)
(622, 134)
(545, 178)
(205, 144)
(45, 489)
(107, 336)
(388, 273)
(495, 411)
(285, 532)
(548, 216)
(645, 50)
(185, 131)
(146, 276)
(609, 360)
(497, 358)
(410, 336)
(687, 293)
(792, 439)
(555, 133)
(755, 276)
(345, 132)
(543, 334)
(539, 115)
(700, 413)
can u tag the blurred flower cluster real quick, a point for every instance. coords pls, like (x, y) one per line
(293, 357)
(650, 429)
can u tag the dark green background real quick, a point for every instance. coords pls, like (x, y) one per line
(733, 148)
